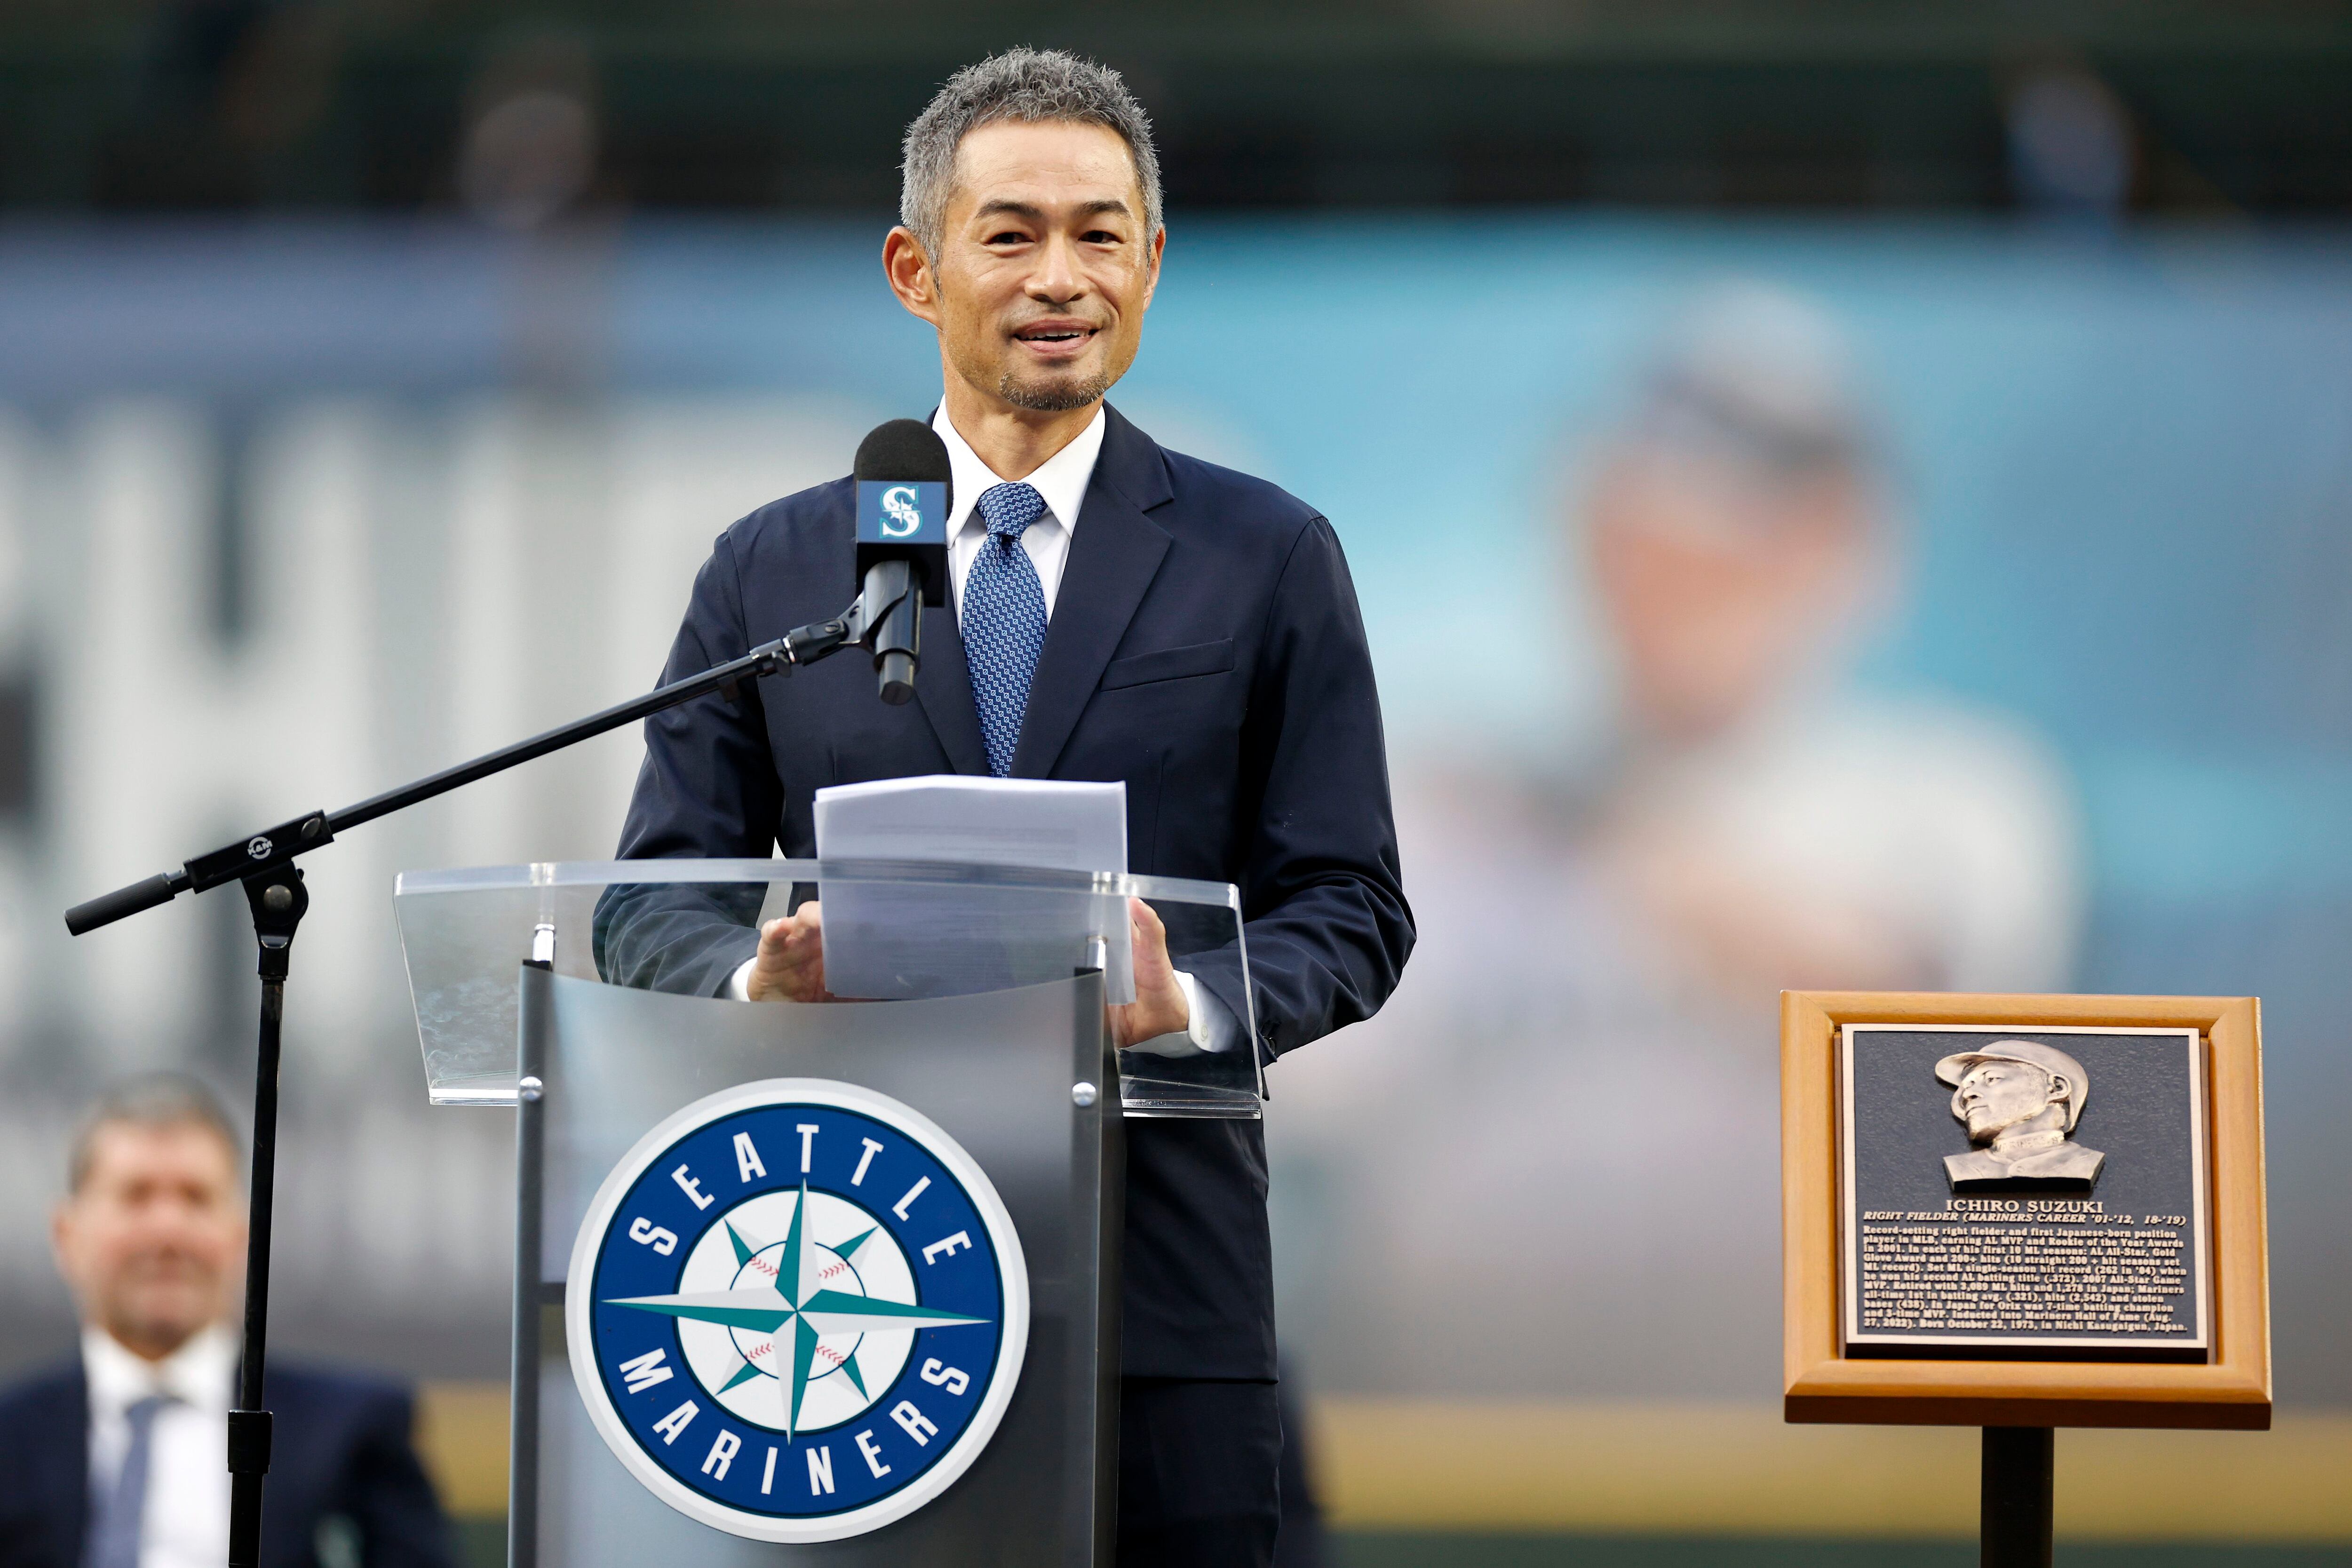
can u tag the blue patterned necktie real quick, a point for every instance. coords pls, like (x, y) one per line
(114, 1534)
(1003, 620)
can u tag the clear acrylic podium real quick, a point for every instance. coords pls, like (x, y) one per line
(582, 996)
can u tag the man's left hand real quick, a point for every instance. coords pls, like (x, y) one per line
(1159, 1008)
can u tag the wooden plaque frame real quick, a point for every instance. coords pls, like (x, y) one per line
(2233, 1389)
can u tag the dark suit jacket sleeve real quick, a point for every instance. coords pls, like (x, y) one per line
(707, 789)
(1326, 920)
(43, 1469)
(386, 1491)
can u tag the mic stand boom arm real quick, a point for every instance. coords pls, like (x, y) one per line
(275, 847)
(263, 862)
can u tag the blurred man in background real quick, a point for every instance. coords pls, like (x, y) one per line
(117, 1459)
(1586, 1049)
(1773, 827)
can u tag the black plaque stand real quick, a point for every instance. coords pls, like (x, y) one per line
(2014, 1530)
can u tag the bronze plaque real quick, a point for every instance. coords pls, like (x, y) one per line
(2023, 1193)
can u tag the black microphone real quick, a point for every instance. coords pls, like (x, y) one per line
(904, 490)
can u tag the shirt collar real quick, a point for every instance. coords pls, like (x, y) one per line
(199, 1372)
(1061, 479)
(2026, 1143)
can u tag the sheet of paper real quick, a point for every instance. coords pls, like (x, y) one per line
(945, 940)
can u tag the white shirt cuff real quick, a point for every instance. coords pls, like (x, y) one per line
(1211, 1028)
(738, 984)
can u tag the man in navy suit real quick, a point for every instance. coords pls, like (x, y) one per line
(118, 1457)
(1119, 612)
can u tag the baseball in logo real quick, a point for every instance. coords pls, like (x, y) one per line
(797, 1310)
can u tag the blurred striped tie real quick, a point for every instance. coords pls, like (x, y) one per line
(114, 1534)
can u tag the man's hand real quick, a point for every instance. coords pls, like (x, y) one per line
(791, 963)
(791, 967)
(1159, 1008)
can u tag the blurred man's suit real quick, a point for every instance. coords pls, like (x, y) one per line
(1206, 648)
(340, 1447)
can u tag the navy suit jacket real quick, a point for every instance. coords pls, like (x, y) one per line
(1206, 648)
(339, 1445)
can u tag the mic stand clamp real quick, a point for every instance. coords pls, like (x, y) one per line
(888, 624)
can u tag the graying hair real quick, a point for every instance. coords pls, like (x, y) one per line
(151, 1100)
(1029, 86)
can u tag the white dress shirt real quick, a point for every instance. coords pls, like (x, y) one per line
(186, 1521)
(1061, 480)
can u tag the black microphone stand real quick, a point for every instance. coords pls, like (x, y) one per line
(263, 862)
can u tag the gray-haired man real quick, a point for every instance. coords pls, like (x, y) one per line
(1119, 612)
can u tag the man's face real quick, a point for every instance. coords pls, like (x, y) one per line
(1995, 1096)
(151, 1241)
(1719, 586)
(1044, 268)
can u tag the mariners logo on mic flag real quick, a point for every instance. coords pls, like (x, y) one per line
(894, 511)
(797, 1310)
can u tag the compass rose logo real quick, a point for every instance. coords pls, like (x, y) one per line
(797, 1310)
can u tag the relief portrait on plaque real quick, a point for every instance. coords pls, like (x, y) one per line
(1992, 1208)
(2019, 1100)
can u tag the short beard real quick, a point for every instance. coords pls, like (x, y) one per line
(1052, 397)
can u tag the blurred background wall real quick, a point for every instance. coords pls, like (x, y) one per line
(1841, 495)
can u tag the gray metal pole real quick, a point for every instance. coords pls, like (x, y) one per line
(531, 1166)
(2014, 1530)
(277, 899)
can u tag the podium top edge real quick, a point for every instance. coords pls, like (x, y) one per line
(939, 873)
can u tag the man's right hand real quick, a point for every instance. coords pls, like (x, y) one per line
(790, 966)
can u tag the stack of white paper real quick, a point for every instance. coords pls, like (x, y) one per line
(885, 941)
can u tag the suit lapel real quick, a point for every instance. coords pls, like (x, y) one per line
(1115, 552)
(943, 686)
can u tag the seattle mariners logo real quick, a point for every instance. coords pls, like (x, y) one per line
(898, 507)
(797, 1310)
